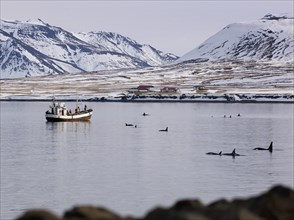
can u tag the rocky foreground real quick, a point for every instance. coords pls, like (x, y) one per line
(276, 204)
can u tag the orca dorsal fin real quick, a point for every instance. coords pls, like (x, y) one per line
(220, 153)
(270, 148)
(234, 152)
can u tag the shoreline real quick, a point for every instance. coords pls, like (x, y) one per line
(159, 98)
(154, 101)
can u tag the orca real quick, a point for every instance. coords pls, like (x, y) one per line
(270, 148)
(145, 114)
(213, 153)
(129, 124)
(166, 129)
(233, 154)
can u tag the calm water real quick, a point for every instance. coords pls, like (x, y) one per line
(131, 170)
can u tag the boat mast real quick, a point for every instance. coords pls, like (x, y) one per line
(77, 105)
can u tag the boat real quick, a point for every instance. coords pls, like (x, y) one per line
(59, 112)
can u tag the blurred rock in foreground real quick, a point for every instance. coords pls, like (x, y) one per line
(276, 204)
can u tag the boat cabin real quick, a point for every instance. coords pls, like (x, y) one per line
(58, 108)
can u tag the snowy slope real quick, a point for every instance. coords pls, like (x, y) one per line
(34, 48)
(220, 79)
(270, 38)
(109, 41)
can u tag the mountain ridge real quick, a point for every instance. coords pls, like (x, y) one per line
(269, 38)
(37, 48)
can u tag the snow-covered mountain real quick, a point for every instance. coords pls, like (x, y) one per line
(36, 48)
(270, 38)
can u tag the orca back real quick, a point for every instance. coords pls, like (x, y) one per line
(213, 153)
(166, 129)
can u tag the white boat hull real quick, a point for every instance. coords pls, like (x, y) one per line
(82, 116)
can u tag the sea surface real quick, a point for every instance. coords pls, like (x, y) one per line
(131, 170)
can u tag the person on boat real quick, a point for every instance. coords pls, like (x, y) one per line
(85, 108)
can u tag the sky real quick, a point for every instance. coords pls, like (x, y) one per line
(170, 26)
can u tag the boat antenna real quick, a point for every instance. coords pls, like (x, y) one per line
(77, 100)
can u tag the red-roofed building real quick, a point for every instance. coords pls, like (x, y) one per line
(199, 88)
(169, 89)
(141, 88)
(144, 88)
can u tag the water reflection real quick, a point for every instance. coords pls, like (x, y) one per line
(68, 135)
(76, 126)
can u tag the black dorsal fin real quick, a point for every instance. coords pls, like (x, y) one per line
(270, 148)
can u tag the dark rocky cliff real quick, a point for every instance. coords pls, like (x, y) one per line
(276, 204)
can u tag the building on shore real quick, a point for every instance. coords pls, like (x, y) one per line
(170, 90)
(141, 89)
